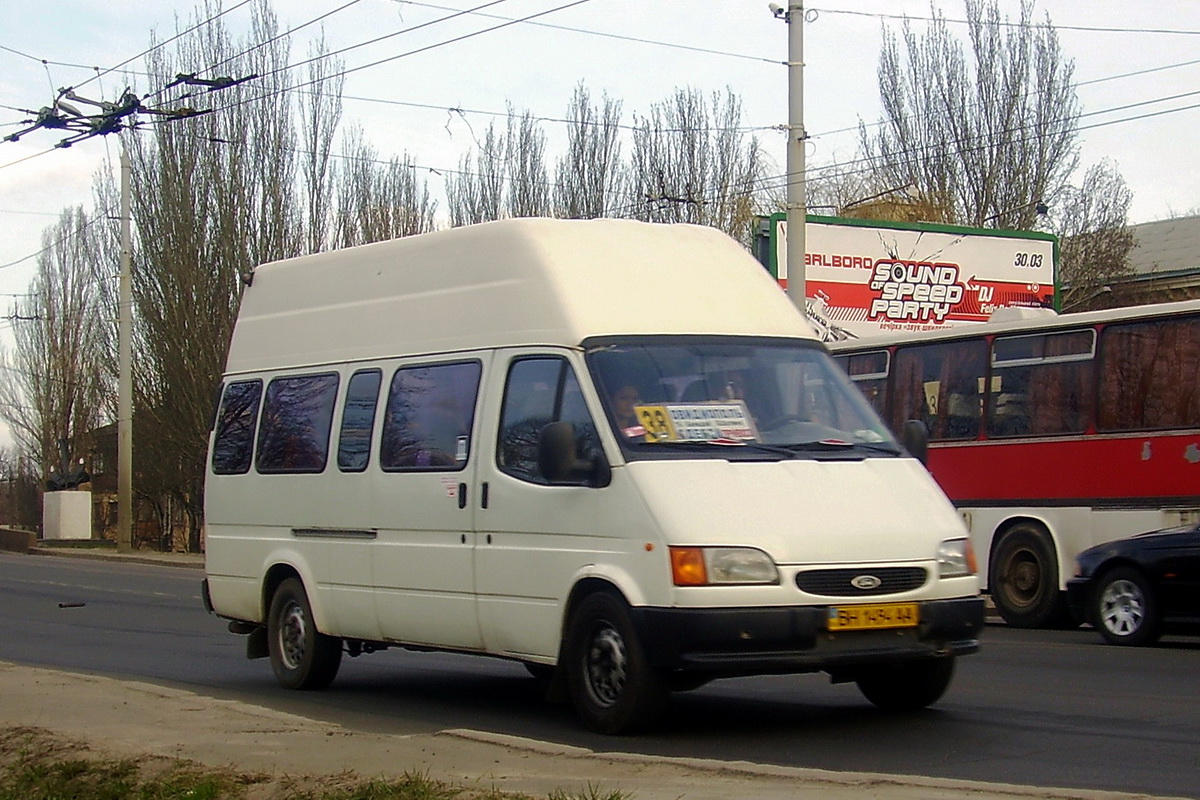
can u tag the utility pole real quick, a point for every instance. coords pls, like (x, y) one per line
(125, 371)
(797, 208)
(111, 118)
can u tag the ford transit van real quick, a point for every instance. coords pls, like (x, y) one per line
(610, 450)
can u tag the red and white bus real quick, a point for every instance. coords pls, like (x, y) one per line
(1049, 434)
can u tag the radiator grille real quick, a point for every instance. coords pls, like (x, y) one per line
(837, 582)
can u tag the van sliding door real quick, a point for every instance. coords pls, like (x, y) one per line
(422, 569)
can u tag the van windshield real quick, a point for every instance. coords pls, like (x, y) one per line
(782, 396)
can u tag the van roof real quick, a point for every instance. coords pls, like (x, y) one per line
(505, 283)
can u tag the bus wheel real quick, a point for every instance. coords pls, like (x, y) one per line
(611, 683)
(1023, 579)
(1124, 609)
(301, 656)
(908, 686)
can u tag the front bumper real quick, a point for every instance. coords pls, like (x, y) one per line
(725, 642)
(1079, 592)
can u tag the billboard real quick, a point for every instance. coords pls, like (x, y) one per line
(865, 277)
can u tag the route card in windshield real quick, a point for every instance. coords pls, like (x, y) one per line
(725, 423)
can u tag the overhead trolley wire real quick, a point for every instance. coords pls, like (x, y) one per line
(397, 56)
(166, 42)
(1007, 24)
(617, 36)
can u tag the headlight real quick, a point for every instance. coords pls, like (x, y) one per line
(705, 566)
(956, 558)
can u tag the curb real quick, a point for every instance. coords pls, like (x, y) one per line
(184, 560)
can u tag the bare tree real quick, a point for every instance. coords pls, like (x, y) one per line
(213, 197)
(1090, 221)
(589, 177)
(476, 192)
(694, 164)
(55, 392)
(528, 192)
(320, 112)
(505, 178)
(988, 137)
(19, 490)
(379, 200)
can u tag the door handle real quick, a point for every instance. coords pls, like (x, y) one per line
(462, 495)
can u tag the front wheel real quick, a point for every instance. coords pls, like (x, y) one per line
(907, 686)
(301, 656)
(1023, 579)
(611, 683)
(1124, 608)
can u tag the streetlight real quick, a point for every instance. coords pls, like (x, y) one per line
(1039, 207)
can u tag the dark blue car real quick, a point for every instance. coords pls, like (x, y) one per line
(1133, 590)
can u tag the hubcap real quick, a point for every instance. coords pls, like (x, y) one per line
(291, 636)
(605, 667)
(1122, 608)
(1023, 577)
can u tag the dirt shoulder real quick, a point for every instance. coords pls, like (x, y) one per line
(80, 714)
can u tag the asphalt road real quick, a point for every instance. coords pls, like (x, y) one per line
(1038, 708)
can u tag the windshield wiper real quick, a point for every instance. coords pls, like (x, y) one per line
(726, 444)
(841, 445)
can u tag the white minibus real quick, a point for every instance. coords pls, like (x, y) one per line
(610, 450)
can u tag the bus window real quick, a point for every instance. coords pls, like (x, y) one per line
(869, 372)
(1041, 384)
(358, 420)
(1150, 375)
(296, 417)
(940, 384)
(233, 444)
(429, 416)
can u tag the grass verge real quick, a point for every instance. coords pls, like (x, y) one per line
(36, 764)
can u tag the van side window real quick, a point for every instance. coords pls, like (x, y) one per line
(296, 419)
(540, 391)
(430, 412)
(233, 446)
(358, 420)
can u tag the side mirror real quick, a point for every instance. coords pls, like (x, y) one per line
(560, 463)
(915, 438)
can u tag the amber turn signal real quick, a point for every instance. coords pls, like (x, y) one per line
(687, 566)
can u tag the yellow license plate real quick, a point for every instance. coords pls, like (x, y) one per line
(867, 617)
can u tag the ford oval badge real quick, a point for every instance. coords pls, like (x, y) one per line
(866, 582)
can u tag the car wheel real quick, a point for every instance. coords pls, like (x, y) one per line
(907, 686)
(301, 656)
(1023, 579)
(1124, 608)
(611, 683)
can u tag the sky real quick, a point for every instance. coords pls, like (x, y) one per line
(1137, 67)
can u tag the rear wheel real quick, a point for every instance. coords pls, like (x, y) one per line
(1124, 608)
(611, 683)
(301, 656)
(907, 686)
(1023, 579)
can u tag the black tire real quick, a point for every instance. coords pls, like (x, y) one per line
(907, 686)
(611, 683)
(1023, 579)
(301, 656)
(1124, 609)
